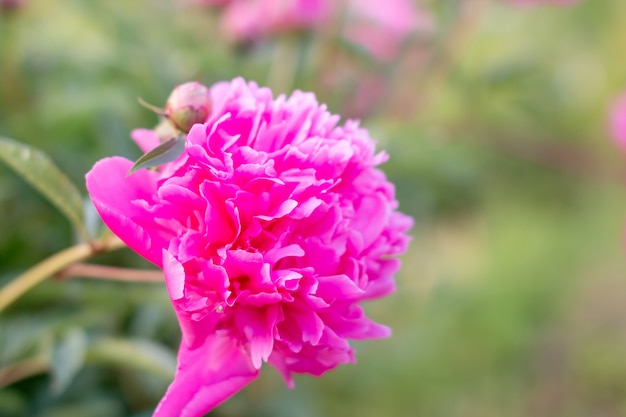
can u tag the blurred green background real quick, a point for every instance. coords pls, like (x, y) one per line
(512, 298)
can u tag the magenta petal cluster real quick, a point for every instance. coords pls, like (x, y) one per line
(271, 228)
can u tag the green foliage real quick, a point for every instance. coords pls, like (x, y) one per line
(67, 358)
(168, 151)
(39, 171)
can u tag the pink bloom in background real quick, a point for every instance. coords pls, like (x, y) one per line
(250, 20)
(381, 27)
(537, 2)
(271, 227)
(618, 121)
(9, 5)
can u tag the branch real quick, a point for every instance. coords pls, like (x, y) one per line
(23, 369)
(52, 265)
(112, 273)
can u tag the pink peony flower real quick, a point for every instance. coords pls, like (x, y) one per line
(618, 121)
(381, 27)
(271, 227)
(251, 20)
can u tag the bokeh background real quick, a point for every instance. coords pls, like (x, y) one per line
(512, 297)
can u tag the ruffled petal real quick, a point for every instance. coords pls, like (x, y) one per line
(120, 202)
(206, 376)
(194, 325)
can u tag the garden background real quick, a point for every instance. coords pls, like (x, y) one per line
(512, 297)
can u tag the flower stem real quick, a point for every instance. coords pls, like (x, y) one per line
(112, 273)
(24, 369)
(50, 266)
(291, 56)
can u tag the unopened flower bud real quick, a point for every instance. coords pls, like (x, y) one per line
(189, 103)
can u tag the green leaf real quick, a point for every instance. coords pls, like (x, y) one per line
(93, 222)
(140, 354)
(38, 170)
(166, 152)
(68, 357)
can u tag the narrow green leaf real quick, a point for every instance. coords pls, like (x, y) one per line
(140, 354)
(38, 170)
(165, 152)
(68, 357)
(93, 222)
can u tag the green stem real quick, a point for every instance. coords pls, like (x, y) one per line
(111, 273)
(51, 266)
(283, 67)
(23, 369)
(291, 56)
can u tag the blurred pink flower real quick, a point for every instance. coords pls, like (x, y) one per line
(381, 27)
(618, 121)
(271, 227)
(11, 4)
(251, 20)
(537, 2)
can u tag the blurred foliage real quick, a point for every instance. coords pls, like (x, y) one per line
(511, 300)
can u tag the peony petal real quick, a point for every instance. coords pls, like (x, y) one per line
(145, 139)
(371, 218)
(258, 326)
(206, 376)
(384, 284)
(174, 276)
(194, 330)
(354, 325)
(338, 287)
(274, 255)
(117, 197)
